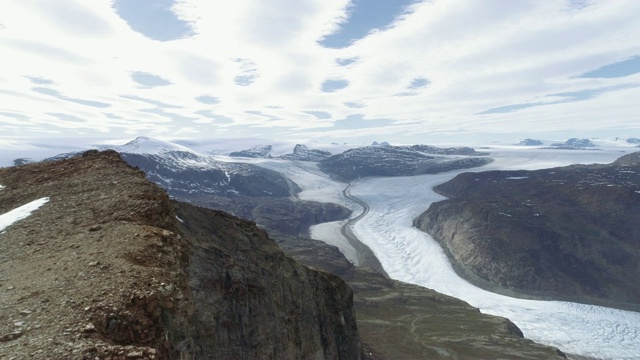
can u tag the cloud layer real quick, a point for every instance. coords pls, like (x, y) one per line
(198, 68)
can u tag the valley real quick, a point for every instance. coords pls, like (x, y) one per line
(362, 229)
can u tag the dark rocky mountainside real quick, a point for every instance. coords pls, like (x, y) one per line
(564, 233)
(111, 268)
(400, 161)
(251, 301)
(183, 172)
(262, 151)
(303, 153)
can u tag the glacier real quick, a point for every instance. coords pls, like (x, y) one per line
(410, 255)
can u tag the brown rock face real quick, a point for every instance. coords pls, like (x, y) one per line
(105, 270)
(252, 302)
(566, 233)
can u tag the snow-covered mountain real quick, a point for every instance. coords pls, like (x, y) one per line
(575, 143)
(530, 142)
(260, 151)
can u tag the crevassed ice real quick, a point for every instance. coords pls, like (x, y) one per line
(21, 212)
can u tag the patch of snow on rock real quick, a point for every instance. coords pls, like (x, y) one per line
(20, 213)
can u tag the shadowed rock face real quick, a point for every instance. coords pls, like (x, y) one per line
(564, 233)
(251, 301)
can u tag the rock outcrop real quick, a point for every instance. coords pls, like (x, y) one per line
(110, 268)
(567, 233)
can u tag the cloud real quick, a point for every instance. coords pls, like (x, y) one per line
(322, 115)
(407, 68)
(149, 80)
(248, 72)
(150, 101)
(39, 80)
(334, 85)
(57, 95)
(217, 118)
(365, 17)
(619, 69)
(154, 19)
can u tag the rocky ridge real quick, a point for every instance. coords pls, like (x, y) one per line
(110, 268)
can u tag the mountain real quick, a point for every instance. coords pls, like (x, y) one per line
(634, 141)
(260, 151)
(400, 161)
(302, 153)
(574, 143)
(182, 172)
(530, 142)
(110, 267)
(568, 233)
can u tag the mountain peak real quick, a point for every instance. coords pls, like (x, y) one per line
(146, 145)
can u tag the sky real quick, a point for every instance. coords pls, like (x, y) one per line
(403, 71)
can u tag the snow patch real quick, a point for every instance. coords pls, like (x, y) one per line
(20, 213)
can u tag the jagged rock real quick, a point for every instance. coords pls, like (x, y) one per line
(634, 141)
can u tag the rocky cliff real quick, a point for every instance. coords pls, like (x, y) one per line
(110, 268)
(564, 233)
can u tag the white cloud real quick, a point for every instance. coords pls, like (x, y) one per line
(475, 55)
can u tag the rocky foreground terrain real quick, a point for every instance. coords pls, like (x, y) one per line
(111, 268)
(569, 233)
